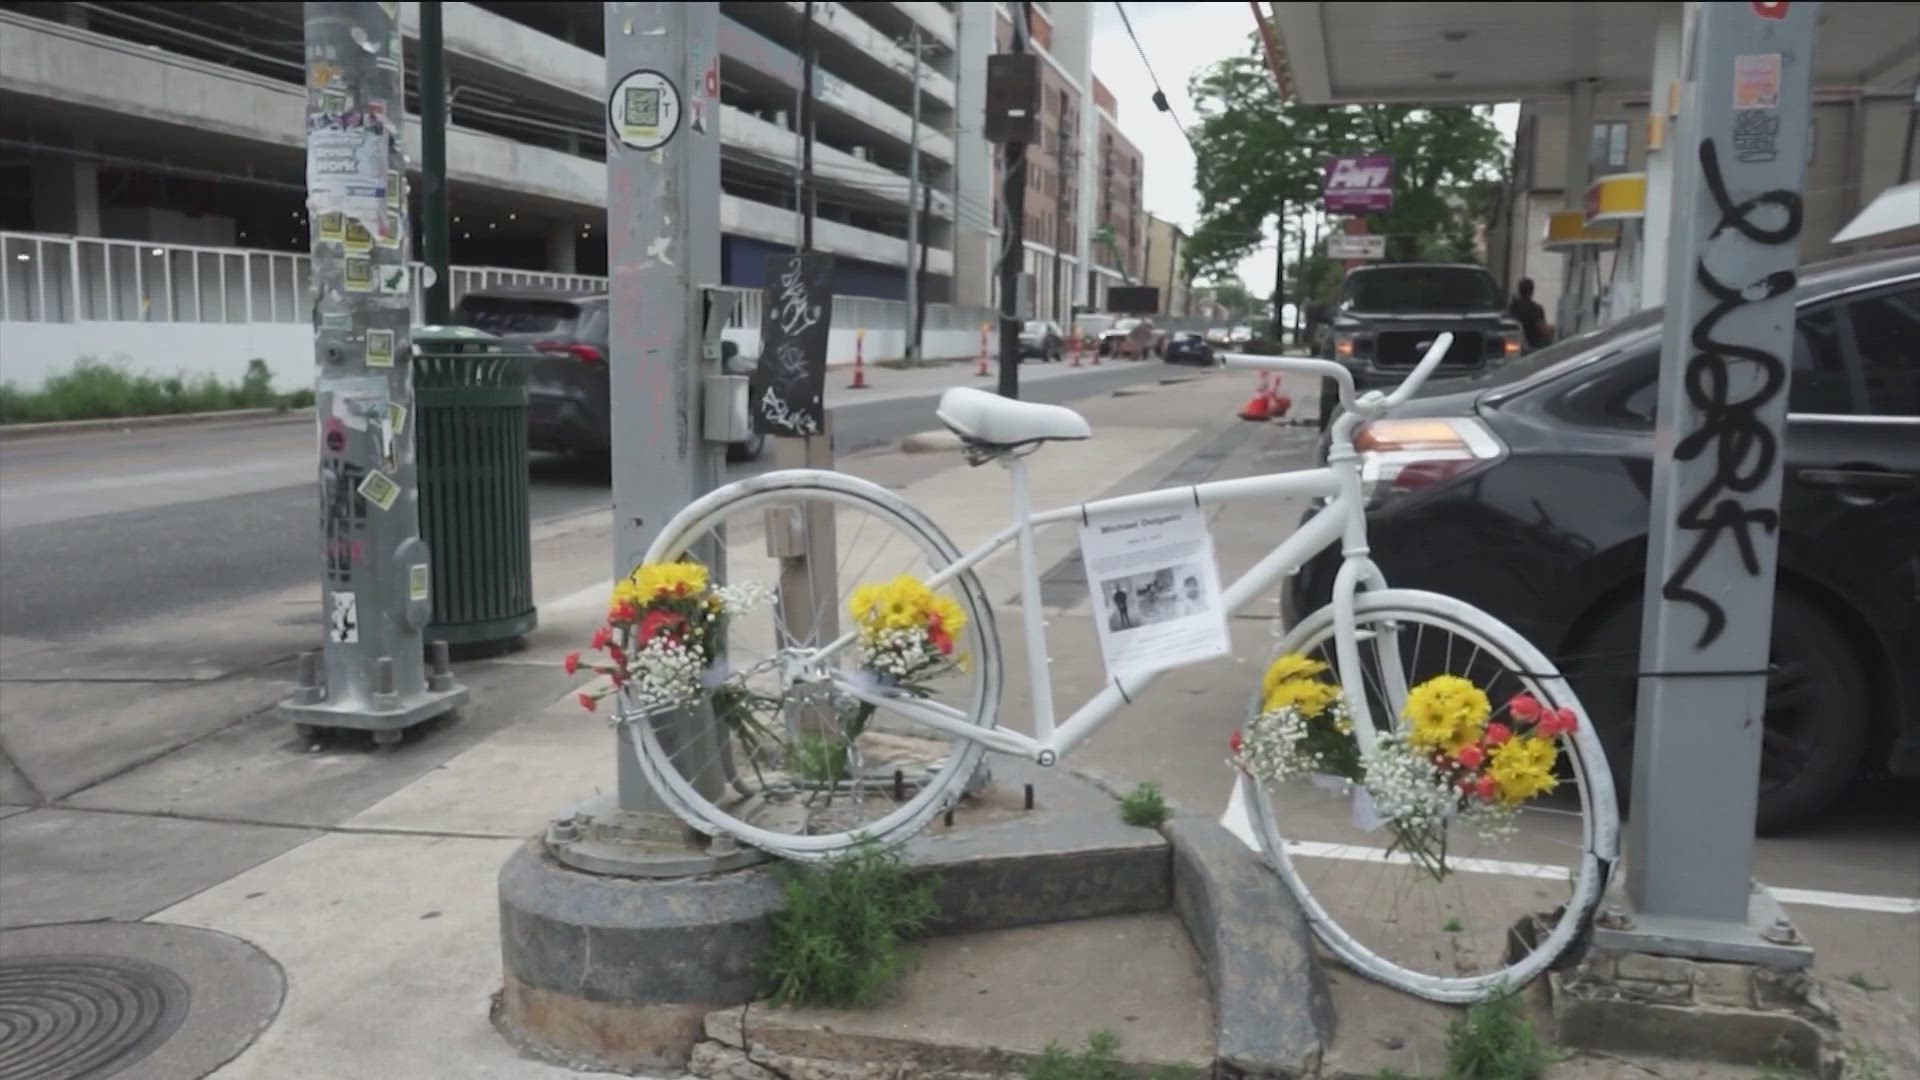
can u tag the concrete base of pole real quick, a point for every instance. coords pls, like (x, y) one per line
(1740, 994)
(619, 972)
(597, 837)
(1767, 938)
(387, 724)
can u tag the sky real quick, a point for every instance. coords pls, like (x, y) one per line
(1181, 39)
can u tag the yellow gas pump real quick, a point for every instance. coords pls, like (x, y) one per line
(1569, 234)
(1619, 202)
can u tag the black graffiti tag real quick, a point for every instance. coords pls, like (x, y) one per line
(1746, 452)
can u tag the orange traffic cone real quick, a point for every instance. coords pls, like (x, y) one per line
(859, 362)
(1260, 405)
(1278, 403)
(982, 373)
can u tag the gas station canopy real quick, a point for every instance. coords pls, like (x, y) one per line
(1481, 53)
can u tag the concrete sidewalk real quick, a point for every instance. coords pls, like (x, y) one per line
(153, 783)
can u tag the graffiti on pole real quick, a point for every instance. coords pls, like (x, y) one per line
(788, 389)
(1746, 452)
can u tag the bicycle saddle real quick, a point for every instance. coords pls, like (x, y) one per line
(991, 420)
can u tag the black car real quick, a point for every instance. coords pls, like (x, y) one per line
(1388, 315)
(569, 403)
(1188, 347)
(1041, 340)
(1527, 494)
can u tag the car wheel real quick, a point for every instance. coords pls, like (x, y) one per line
(750, 450)
(1817, 720)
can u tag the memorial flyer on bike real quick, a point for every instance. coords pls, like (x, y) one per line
(1156, 589)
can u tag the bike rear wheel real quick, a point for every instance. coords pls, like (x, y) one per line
(1384, 914)
(818, 769)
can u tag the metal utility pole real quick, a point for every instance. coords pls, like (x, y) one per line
(1739, 164)
(663, 245)
(1013, 254)
(1279, 272)
(1061, 170)
(433, 163)
(1300, 286)
(377, 576)
(806, 127)
(913, 209)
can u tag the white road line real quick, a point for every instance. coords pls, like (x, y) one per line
(1238, 821)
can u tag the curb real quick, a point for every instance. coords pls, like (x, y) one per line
(1273, 1013)
(928, 442)
(19, 432)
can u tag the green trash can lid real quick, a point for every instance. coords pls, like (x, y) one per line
(457, 335)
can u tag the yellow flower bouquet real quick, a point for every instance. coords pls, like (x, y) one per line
(1449, 758)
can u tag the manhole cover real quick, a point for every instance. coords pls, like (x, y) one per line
(80, 1017)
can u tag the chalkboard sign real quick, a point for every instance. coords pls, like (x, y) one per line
(789, 387)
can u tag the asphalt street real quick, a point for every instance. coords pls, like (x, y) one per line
(111, 527)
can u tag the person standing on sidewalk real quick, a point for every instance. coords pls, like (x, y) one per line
(1531, 316)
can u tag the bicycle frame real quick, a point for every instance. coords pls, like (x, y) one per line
(1342, 519)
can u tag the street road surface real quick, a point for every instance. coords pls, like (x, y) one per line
(111, 527)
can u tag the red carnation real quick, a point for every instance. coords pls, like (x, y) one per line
(572, 662)
(1234, 742)
(1498, 733)
(601, 637)
(1525, 708)
(659, 622)
(586, 701)
(1486, 788)
(941, 640)
(1470, 756)
(1566, 723)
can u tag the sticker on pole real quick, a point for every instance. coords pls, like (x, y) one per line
(1756, 82)
(379, 348)
(1156, 590)
(343, 619)
(380, 490)
(644, 110)
(419, 579)
(1775, 10)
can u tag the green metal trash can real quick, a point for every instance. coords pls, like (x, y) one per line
(470, 402)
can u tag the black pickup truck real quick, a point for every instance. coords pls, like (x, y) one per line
(1388, 315)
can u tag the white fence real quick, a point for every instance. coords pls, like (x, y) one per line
(170, 308)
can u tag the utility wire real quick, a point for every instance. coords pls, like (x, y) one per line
(1159, 95)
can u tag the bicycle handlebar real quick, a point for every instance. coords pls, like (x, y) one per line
(1343, 378)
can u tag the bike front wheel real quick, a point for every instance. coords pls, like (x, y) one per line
(815, 750)
(1465, 910)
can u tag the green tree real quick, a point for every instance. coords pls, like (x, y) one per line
(1231, 293)
(1258, 157)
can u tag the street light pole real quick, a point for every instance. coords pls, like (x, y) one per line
(1738, 168)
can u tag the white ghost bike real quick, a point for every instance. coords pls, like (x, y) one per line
(1446, 937)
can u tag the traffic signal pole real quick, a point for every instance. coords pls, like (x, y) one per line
(375, 596)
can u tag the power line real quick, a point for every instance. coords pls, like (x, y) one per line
(1159, 94)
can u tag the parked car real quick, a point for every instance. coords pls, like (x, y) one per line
(1388, 314)
(1240, 335)
(569, 402)
(1133, 339)
(1188, 347)
(1041, 339)
(1219, 335)
(1527, 495)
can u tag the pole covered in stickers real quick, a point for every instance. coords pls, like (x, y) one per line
(376, 577)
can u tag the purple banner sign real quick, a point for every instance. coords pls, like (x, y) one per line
(1358, 185)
